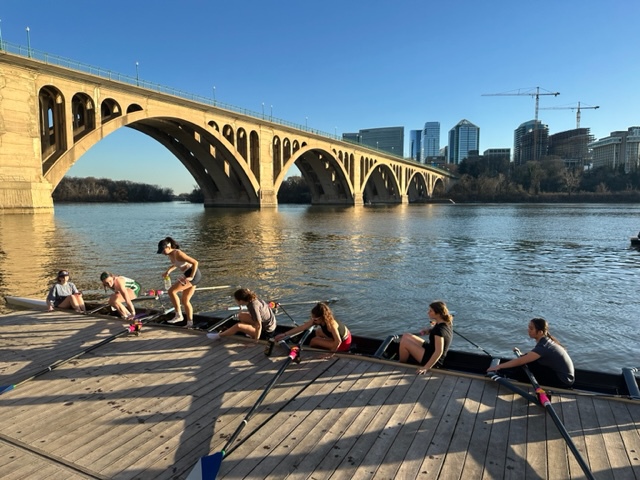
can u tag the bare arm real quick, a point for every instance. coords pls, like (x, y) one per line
(438, 345)
(124, 291)
(294, 330)
(516, 362)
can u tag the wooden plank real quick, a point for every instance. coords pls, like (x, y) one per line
(616, 452)
(318, 434)
(363, 459)
(459, 447)
(438, 391)
(536, 447)
(181, 413)
(596, 456)
(349, 427)
(435, 455)
(497, 463)
(473, 466)
(213, 418)
(400, 432)
(630, 433)
(272, 444)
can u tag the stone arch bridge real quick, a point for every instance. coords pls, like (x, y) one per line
(51, 115)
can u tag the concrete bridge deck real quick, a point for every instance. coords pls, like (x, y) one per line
(149, 407)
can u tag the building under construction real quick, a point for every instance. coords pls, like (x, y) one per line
(572, 146)
(530, 141)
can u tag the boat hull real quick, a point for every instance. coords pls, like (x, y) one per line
(591, 381)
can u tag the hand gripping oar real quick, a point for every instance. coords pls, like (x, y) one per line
(208, 467)
(53, 366)
(506, 383)
(546, 403)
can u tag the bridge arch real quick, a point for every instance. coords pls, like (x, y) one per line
(325, 176)
(381, 184)
(53, 133)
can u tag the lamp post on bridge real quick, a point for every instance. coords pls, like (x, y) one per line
(263, 110)
(214, 95)
(306, 123)
(1, 35)
(28, 43)
(271, 114)
(137, 76)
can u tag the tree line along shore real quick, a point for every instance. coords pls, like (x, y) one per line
(480, 180)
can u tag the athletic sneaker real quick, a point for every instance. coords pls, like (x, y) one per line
(213, 336)
(189, 324)
(176, 319)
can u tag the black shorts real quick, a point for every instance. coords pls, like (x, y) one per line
(58, 301)
(196, 278)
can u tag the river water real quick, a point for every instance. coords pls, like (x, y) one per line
(496, 266)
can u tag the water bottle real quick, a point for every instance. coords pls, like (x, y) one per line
(167, 282)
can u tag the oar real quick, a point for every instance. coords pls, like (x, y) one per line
(97, 309)
(209, 466)
(131, 328)
(217, 287)
(506, 383)
(472, 343)
(220, 323)
(274, 304)
(546, 403)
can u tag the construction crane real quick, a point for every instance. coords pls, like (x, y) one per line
(577, 109)
(531, 93)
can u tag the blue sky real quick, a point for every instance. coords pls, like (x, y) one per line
(347, 65)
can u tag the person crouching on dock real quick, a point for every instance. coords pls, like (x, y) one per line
(258, 317)
(124, 291)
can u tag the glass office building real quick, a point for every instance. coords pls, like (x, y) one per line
(415, 145)
(431, 139)
(463, 138)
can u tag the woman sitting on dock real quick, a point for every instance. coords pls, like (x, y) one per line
(548, 361)
(429, 353)
(258, 317)
(333, 335)
(64, 294)
(124, 291)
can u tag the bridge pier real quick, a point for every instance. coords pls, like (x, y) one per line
(24, 197)
(268, 199)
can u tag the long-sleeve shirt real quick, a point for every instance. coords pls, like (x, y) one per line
(59, 291)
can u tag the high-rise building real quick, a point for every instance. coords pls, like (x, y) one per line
(463, 138)
(415, 142)
(572, 146)
(619, 148)
(530, 142)
(389, 139)
(431, 139)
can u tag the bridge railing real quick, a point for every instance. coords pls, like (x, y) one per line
(57, 60)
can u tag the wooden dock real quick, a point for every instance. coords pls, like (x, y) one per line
(149, 406)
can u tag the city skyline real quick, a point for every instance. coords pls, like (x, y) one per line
(294, 62)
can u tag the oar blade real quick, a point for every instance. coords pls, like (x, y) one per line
(6, 388)
(207, 467)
